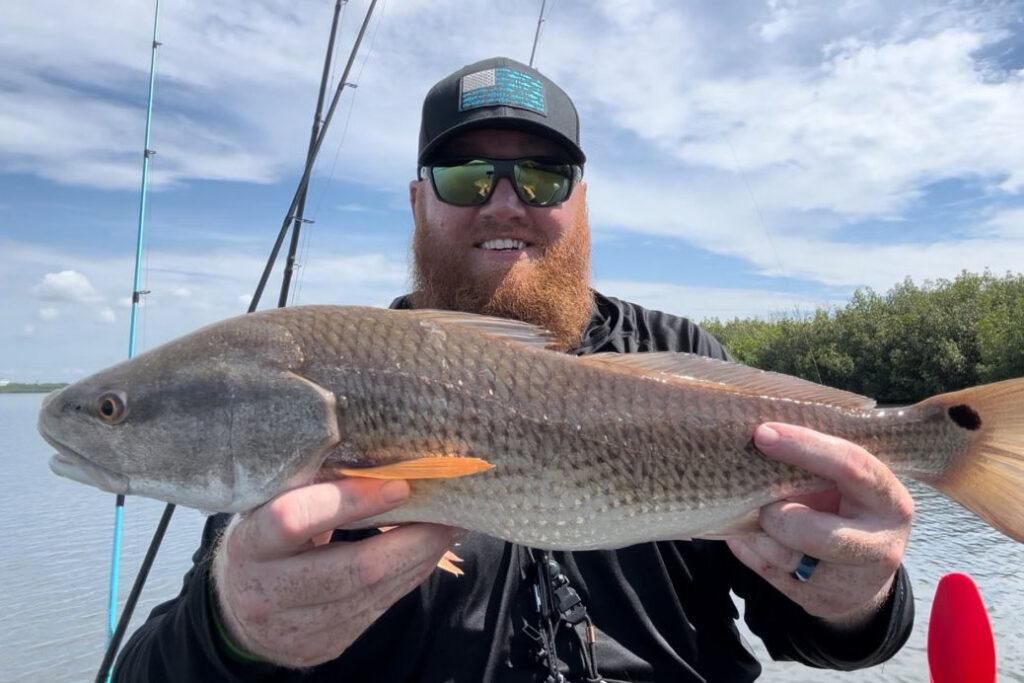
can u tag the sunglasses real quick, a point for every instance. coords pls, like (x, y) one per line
(471, 181)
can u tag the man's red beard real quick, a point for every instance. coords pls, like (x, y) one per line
(552, 292)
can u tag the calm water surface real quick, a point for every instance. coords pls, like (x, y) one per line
(53, 577)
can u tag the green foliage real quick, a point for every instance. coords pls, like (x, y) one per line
(910, 343)
(31, 388)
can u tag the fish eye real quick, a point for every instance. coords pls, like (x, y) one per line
(111, 407)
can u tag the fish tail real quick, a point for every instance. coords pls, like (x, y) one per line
(988, 476)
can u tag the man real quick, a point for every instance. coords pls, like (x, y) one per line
(501, 228)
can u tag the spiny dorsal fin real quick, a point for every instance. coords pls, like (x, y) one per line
(502, 328)
(733, 376)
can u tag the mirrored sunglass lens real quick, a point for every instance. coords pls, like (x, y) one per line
(543, 185)
(465, 184)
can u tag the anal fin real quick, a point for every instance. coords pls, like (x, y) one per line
(447, 561)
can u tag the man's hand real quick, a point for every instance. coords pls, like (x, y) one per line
(858, 529)
(289, 596)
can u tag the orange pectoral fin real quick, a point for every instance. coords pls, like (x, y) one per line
(432, 467)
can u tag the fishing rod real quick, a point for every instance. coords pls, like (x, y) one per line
(311, 158)
(289, 268)
(114, 643)
(536, 34)
(133, 597)
(115, 559)
(115, 628)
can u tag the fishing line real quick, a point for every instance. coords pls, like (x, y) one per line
(337, 152)
(300, 265)
(771, 244)
(143, 305)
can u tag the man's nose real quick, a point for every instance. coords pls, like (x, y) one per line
(504, 201)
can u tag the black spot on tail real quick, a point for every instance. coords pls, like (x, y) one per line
(965, 416)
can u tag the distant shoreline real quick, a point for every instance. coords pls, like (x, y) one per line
(31, 387)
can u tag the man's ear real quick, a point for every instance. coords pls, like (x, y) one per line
(414, 190)
(581, 188)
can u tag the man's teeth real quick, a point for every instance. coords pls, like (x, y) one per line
(503, 244)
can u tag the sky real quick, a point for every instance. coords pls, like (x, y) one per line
(744, 158)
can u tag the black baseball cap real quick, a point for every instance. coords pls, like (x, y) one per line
(498, 93)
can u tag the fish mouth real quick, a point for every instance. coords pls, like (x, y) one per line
(66, 462)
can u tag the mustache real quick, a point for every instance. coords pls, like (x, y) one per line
(492, 229)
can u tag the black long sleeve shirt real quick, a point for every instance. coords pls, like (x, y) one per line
(662, 611)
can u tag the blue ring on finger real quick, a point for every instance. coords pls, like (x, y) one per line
(806, 568)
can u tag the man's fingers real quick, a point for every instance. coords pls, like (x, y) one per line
(286, 524)
(376, 599)
(833, 591)
(351, 616)
(768, 550)
(339, 570)
(749, 552)
(823, 535)
(857, 473)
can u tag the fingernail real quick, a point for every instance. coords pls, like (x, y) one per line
(394, 491)
(766, 436)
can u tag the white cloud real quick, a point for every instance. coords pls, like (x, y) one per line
(67, 285)
(769, 134)
(357, 208)
(860, 133)
(880, 265)
(699, 303)
(214, 276)
(253, 57)
(48, 313)
(849, 108)
(1008, 223)
(783, 20)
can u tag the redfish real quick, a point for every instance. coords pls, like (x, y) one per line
(497, 432)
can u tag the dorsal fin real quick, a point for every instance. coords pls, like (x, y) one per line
(514, 331)
(735, 377)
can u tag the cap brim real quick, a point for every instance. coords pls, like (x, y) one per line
(502, 123)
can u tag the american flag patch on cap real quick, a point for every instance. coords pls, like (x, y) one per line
(502, 86)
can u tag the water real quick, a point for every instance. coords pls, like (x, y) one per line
(57, 534)
(945, 538)
(54, 574)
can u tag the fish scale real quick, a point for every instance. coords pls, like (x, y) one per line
(557, 451)
(662, 421)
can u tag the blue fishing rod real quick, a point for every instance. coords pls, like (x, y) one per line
(294, 213)
(115, 559)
